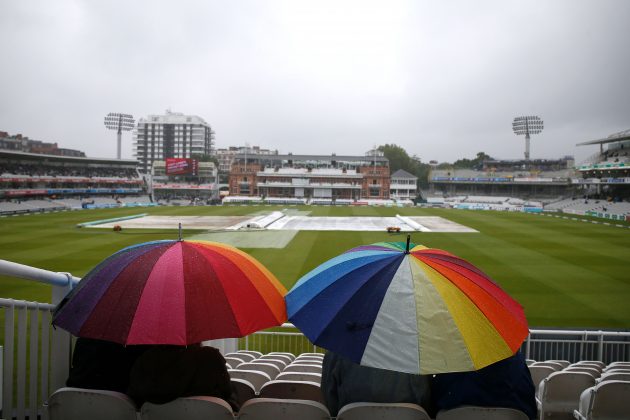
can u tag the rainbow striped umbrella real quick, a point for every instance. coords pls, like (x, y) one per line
(407, 308)
(173, 292)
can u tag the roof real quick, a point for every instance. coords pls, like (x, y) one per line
(54, 158)
(312, 157)
(615, 137)
(401, 173)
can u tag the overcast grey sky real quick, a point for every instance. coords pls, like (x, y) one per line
(442, 79)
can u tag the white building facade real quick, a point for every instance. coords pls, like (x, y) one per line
(404, 186)
(172, 135)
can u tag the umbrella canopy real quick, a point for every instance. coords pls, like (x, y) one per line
(173, 292)
(410, 309)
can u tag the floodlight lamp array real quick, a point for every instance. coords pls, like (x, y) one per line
(117, 121)
(530, 124)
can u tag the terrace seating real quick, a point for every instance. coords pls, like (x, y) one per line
(191, 408)
(386, 411)
(481, 413)
(279, 409)
(607, 400)
(79, 404)
(559, 394)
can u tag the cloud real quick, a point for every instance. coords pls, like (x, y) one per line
(441, 79)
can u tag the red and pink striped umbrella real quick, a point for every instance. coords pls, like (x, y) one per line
(173, 292)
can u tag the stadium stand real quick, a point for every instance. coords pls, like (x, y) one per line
(31, 182)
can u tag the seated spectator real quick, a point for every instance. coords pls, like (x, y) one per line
(345, 382)
(98, 364)
(165, 373)
(506, 383)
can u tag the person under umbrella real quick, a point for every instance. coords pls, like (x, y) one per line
(407, 308)
(178, 294)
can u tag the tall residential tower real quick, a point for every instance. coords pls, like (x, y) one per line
(172, 135)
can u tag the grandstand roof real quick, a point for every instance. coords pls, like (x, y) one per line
(401, 173)
(312, 157)
(622, 135)
(37, 156)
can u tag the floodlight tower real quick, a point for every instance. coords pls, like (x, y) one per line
(530, 124)
(120, 122)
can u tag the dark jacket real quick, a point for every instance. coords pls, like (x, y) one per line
(98, 364)
(506, 383)
(164, 373)
(345, 382)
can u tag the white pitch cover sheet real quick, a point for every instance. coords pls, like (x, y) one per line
(339, 223)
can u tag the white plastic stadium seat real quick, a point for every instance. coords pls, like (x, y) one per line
(270, 369)
(608, 400)
(539, 373)
(559, 393)
(280, 364)
(300, 376)
(286, 359)
(590, 370)
(277, 409)
(563, 363)
(481, 413)
(298, 367)
(254, 353)
(555, 365)
(296, 390)
(384, 411)
(243, 356)
(282, 353)
(614, 376)
(232, 362)
(254, 377)
(81, 404)
(243, 389)
(190, 408)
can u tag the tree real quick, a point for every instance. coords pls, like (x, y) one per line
(399, 159)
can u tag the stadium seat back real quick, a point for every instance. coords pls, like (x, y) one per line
(280, 409)
(539, 373)
(296, 390)
(190, 408)
(614, 376)
(300, 376)
(481, 413)
(280, 364)
(254, 377)
(559, 393)
(268, 368)
(243, 389)
(285, 358)
(382, 411)
(80, 404)
(242, 356)
(299, 367)
(555, 365)
(282, 353)
(610, 400)
(254, 353)
(585, 369)
(232, 362)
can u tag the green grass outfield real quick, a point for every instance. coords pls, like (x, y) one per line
(565, 273)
